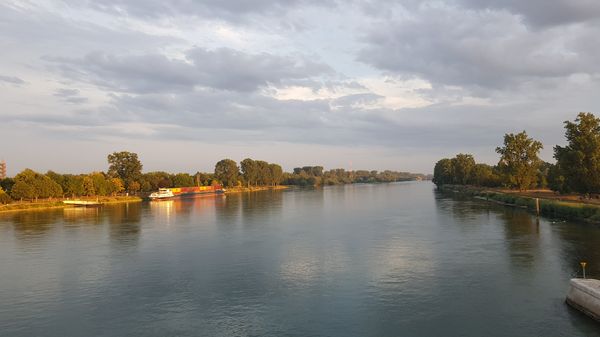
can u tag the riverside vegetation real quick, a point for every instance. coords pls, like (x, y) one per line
(575, 176)
(125, 181)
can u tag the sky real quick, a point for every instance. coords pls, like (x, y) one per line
(376, 84)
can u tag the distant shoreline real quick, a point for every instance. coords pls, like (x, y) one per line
(230, 190)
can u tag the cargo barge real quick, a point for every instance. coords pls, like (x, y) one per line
(177, 192)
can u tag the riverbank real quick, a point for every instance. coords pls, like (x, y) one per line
(553, 206)
(58, 203)
(255, 188)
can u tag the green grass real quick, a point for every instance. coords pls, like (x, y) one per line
(549, 208)
(18, 206)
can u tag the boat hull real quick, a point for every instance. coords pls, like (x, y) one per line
(181, 192)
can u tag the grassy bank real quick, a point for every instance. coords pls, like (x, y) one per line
(58, 203)
(254, 188)
(566, 210)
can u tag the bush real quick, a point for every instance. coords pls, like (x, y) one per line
(4, 198)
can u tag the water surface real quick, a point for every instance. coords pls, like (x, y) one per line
(359, 260)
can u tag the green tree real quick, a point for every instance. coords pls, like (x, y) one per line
(183, 180)
(227, 172)
(88, 186)
(462, 164)
(22, 190)
(443, 172)
(118, 186)
(556, 179)
(32, 185)
(263, 177)
(7, 184)
(4, 197)
(483, 175)
(579, 161)
(519, 161)
(125, 165)
(249, 169)
(74, 185)
(276, 174)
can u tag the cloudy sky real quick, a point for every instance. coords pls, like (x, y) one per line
(376, 84)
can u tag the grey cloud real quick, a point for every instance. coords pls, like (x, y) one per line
(229, 69)
(543, 12)
(37, 31)
(488, 49)
(71, 96)
(229, 10)
(223, 69)
(12, 80)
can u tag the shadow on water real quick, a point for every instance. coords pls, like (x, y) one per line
(33, 225)
(522, 235)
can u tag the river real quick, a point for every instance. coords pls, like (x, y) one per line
(359, 260)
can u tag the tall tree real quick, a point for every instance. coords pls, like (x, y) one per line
(249, 171)
(443, 172)
(125, 165)
(227, 172)
(264, 173)
(579, 161)
(519, 161)
(462, 164)
(276, 174)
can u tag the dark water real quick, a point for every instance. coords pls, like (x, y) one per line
(363, 260)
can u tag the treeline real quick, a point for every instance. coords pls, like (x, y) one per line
(315, 175)
(577, 167)
(124, 175)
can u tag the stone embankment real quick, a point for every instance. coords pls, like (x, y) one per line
(584, 295)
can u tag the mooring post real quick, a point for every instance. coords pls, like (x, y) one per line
(583, 267)
(537, 206)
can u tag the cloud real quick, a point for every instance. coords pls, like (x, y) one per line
(228, 10)
(12, 80)
(222, 69)
(490, 49)
(71, 96)
(543, 12)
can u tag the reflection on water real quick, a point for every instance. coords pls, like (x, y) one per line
(361, 260)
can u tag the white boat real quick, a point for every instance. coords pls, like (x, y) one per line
(82, 203)
(163, 193)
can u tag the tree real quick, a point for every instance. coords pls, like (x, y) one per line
(227, 172)
(443, 172)
(183, 180)
(264, 173)
(4, 197)
(484, 175)
(125, 165)
(579, 161)
(74, 185)
(32, 185)
(556, 179)
(276, 174)
(7, 184)
(118, 185)
(88, 186)
(249, 171)
(23, 190)
(519, 161)
(462, 164)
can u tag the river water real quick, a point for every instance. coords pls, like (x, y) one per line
(360, 260)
